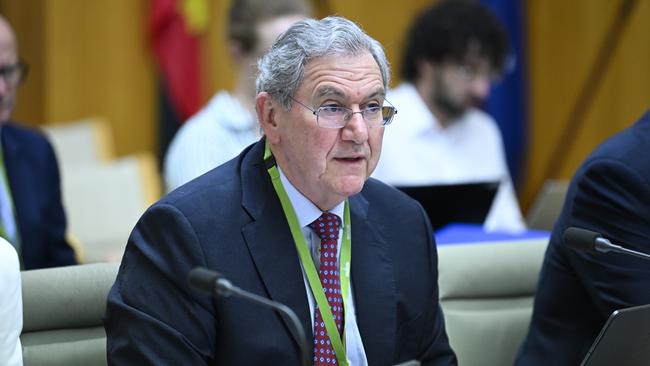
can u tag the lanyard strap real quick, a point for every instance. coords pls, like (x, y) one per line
(308, 263)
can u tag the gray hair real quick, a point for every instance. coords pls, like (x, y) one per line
(282, 68)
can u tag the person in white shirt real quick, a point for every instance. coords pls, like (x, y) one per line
(454, 50)
(11, 306)
(226, 125)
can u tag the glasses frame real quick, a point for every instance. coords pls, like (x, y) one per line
(21, 67)
(349, 114)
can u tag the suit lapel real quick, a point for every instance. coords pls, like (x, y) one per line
(270, 243)
(373, 284)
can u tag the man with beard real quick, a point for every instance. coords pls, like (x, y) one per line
(454, 51)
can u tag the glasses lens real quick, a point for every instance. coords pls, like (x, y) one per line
(387, 114)
(332, 116)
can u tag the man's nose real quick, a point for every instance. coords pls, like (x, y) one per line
(356, 129)
(4, 86)
(480, 87)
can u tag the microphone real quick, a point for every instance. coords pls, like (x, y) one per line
(214, 282)
(591, 241)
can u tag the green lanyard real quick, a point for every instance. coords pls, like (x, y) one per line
(308, 263)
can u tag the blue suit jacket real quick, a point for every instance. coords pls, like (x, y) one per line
(33, 176)
(231, 220)
(610, 194)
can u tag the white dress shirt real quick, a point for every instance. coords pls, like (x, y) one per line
(307, 212)
(11, 306)
(214, 135)
(417, 150)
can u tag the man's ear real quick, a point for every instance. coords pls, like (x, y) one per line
(266, 114)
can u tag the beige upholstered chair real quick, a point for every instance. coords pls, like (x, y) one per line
(85, 141)
(63, 309)
(104, 201)
(486, 292)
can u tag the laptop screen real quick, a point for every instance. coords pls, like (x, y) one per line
(624, 339)
(454, 203)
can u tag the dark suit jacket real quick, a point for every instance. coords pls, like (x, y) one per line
(33, 176)
(231, 220)
(577, 292)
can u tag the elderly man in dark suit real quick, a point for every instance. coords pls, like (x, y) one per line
(31, 212)
(294, 216)
(577, 291)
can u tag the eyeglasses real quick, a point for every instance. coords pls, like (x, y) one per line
(334, 116)
(14, 74)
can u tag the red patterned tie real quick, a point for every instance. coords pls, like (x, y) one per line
(327, 228)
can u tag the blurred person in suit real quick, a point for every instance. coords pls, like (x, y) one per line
(31, 211)
(226, 125)
(11, 306)
(294, 216)
(454, 51)
(578, 291)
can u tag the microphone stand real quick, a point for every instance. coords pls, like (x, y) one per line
(213, 282)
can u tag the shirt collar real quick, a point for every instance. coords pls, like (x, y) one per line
(305, 210)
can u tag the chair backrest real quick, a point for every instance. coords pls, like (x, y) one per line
(547, 205)
(63, 309)
(104, 201)
(85, 141)
(486, 293)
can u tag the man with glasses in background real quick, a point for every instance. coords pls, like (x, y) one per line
(454, 51)
(31, 213)
(293, 218)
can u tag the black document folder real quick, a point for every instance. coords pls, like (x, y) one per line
(454, 203)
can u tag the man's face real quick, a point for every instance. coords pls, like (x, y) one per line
(328, 165)
(458, 86)
(8, 57)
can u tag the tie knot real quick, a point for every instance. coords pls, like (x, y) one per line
(326, 226)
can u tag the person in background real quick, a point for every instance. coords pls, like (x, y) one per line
(292, 218)
(226, 125)
(11, 306)
(454, 51)
(578, 291)
(31, 212)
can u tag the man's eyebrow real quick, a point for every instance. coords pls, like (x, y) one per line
(328, 91)
(379, 92)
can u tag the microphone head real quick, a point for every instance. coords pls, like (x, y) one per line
(203, 279)
(580, 239)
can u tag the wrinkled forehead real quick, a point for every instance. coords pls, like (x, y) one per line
(340, 75)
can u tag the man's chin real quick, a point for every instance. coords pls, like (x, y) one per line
(349, 186)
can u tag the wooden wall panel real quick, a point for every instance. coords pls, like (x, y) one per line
(89, 58)
(564, 38)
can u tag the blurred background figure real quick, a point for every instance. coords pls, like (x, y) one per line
(31, 213)
(226, 124)
(11, 306)
(454, 51)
